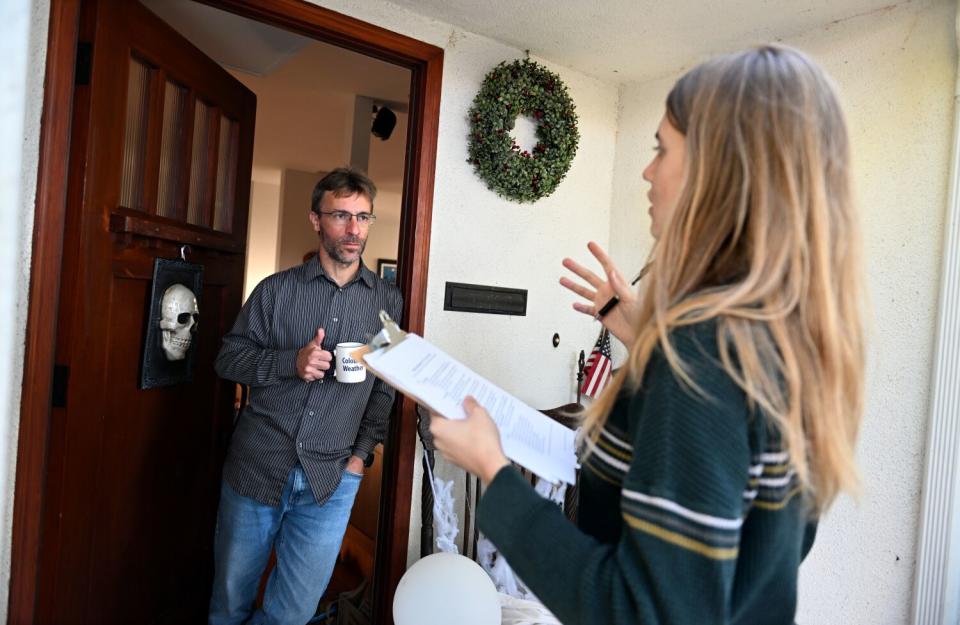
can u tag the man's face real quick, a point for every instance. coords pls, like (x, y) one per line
(343, 243)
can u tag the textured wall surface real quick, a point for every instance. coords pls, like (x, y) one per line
(895, 70)
(640, 110)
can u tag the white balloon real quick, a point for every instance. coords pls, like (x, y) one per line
(446, 589)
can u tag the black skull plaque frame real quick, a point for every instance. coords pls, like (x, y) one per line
(169, 348)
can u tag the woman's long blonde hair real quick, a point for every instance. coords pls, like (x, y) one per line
(764, 239)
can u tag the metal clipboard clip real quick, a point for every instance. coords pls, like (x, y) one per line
(389, 336)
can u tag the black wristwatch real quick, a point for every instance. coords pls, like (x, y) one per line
(368, 461)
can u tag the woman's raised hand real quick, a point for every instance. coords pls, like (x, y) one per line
(620, 320)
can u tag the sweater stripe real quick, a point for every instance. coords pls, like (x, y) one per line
(773, 481)
(609, 457)
(778, 457)
(714, 538)
(613, 451)
(674, 507)
(604, 472)
(715, 553)
(777, 482)
(613, 462)
(777, 505)
(619, 442)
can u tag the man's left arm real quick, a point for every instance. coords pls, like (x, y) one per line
(376, 417)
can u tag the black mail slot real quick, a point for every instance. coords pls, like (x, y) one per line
(477, 298)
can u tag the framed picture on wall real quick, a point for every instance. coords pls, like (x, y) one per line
(387, 269)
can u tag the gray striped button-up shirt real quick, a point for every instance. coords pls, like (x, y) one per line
(289, 421)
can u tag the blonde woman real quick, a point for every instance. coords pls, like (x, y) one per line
(731, 427)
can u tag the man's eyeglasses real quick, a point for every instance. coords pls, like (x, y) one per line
(342, 218)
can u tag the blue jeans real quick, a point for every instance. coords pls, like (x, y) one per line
(307, 540)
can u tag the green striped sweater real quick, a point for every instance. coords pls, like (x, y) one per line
(690, 512)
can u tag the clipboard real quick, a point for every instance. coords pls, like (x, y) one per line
(390, 336)
(422, 371)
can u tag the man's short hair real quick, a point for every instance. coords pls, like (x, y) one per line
(343, 182)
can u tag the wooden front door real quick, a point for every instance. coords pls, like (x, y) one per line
(160, 157)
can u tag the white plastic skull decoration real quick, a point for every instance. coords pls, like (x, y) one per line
(179, 319)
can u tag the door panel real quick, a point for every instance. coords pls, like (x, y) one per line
(161, 155)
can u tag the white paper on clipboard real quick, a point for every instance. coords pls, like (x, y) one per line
(426, 373)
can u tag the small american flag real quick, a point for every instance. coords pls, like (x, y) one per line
(599, 366)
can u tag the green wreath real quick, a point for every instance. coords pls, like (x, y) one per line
(522, 87)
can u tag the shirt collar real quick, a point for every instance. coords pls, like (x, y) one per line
(313, 270)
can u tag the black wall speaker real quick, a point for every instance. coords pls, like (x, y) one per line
(384, 123)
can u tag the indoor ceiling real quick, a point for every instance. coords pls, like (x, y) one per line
(250, 47)
(636, 40)
(305, 90)
(233, 41)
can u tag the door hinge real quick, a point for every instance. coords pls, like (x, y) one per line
(84, 63)
(61, 375)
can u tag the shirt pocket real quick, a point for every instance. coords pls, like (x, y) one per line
(361, 327)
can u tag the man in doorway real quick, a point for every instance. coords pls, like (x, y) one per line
(299, 448)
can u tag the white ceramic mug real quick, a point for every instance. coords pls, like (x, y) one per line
(348, 369)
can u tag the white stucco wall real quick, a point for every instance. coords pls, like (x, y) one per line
(895, 69)
(23, 33)
(897, 72)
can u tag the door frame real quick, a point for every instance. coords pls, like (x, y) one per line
(426, 64)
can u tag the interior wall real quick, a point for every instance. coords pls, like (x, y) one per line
(895, 70)
(297, 236)
(387, 160)
(262, 234)
(384, 238)
(300, 125)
